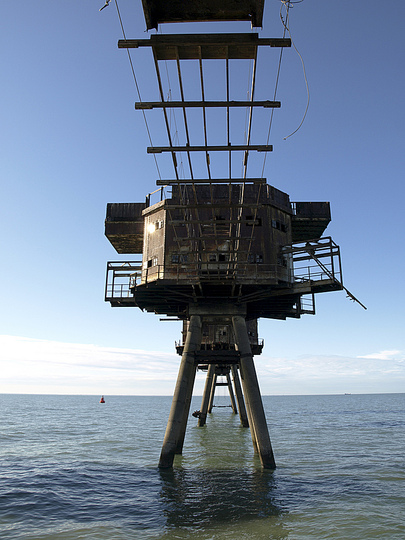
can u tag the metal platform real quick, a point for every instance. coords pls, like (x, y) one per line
(316, 268)
(160, 11)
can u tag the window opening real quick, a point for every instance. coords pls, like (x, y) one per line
(278, 225)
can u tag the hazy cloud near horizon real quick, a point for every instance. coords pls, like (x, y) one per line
(40, 366)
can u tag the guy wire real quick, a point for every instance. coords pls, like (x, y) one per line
(137, 86)
(287, 4)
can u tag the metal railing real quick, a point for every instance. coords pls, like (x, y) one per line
(315, 260)
(307, 304)
(310, 262)
(223, 345)
(119, 277)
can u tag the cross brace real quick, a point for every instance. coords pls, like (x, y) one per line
(174, 182)
(225, 148)
(190, 104)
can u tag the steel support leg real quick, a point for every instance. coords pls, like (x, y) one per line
(180, 442)
(176, 425)
(239, 397)
(212, 395)
(251, 390)
(251, 424)
(206, 395)
(233, 404)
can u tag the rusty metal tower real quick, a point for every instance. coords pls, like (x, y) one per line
(220, 250)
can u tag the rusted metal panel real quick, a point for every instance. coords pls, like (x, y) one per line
(214, 242)
(309, 220)
(124, 211)
(162, 11)
(312, 210)
(154, 243)
(124, 226)
(125, 237)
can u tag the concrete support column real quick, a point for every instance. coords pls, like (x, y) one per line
(206, 395)
(251, 390)
(239, 397)
(212, 395)
(251, 424)
(233, 404)
(177, 422)
(180, 442)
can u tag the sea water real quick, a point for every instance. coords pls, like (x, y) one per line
(72, 468)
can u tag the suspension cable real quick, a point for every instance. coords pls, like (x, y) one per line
(137, 86)
(288, 4)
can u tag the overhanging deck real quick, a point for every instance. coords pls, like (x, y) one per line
(161, 11)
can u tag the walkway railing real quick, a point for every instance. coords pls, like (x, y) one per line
(310, 262)
(315, 260)
(120, 275)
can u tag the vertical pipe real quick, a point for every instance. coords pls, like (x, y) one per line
(251, 391)
(239, 397)
(206, 395)
(211, 403)
(176, 425)
(233, 404)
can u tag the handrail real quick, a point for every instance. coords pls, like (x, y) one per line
(311, 262)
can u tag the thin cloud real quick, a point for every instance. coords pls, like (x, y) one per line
(332, 374)
(34, 365)
(41, 366)
(384, 355)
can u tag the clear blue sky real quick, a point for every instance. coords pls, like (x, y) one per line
(71, 141)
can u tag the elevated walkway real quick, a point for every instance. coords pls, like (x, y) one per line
(316, 268)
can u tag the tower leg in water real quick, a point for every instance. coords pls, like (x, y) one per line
(239, 397)
(251, 390)
(212, 394)
(230, 389)
(180, 442)
(177, 423)
(206, 395)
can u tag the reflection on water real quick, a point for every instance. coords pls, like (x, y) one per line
(211, 499)
(73, 469)
(219, 486)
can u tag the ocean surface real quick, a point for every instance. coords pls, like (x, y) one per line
(72, 468)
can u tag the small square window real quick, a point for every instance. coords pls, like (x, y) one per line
(278, 225)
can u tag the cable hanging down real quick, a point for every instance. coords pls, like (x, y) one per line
(288, 4)
(135, 80)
